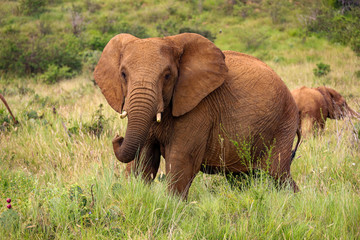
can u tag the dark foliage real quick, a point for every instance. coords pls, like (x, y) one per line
(339, 26)
(321, 70)
(202, 32)
(23, 55)
(31, 7)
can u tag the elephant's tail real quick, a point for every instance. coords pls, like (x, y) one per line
(298, 133)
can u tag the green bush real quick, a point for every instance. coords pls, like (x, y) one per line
(321, 70)
(23, 55)
(134, 29)
(243, 10)
(355, 41)
(95, 127)
(111, 25)
(338, 26)
(12, 57)
(55, 73)
(30, 7)
(90, 60)
(357, 73)
(253, 39)
(95, 40)
(4, 120)
(277, 10)
(202, 32)
(167, 28)
(98, 122)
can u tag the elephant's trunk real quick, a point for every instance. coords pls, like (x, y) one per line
(352, 113)
(141, 112)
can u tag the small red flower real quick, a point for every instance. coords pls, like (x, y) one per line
(8, 200)
(8, 206)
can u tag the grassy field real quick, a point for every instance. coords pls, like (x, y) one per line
(59, 170)
(65, 182)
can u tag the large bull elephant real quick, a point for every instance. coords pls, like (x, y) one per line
(317, 104)
(183, 96)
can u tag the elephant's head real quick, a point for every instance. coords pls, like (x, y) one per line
(337, 106)
(141, 77)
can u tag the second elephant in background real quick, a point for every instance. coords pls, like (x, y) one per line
(317, 104)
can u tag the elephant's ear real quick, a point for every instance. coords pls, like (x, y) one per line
(202, 69)
(107, 73)
(330, 96)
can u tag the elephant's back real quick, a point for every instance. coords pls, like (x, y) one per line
(257, 88)
(309, 101)
(251, 76)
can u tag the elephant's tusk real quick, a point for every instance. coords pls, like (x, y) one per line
(123, 114)
(158, 117)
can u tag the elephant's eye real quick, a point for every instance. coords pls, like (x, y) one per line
(167, 76)
(123, 74)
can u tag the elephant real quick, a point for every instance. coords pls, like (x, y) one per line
(190, 102)
(317, 104)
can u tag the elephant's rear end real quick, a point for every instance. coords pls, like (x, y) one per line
(263, 115)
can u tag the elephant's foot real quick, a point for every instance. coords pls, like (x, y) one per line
(284, 180)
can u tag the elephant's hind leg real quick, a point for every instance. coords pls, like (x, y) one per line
(280, 161)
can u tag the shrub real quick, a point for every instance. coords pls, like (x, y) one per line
(357, 73)
(12, 57)
(92, 6)
(338, 26)
(321, 70)
(345, 5)
(277, 10)
(30, 7)
(90, 59)
(4, 120)
(65, 51)
(22, 55)
(202, 32)
(253, 39)
(32, 114)
(355, 41)
(77, 20)
(167, 28)
(96, 126)
(55, 73)
(110, 25)
(98, 123)
(95, 40)
(243, 10)
(134, 29)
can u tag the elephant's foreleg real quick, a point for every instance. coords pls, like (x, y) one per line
(147, 163)
(181, 169)
(180, 176)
